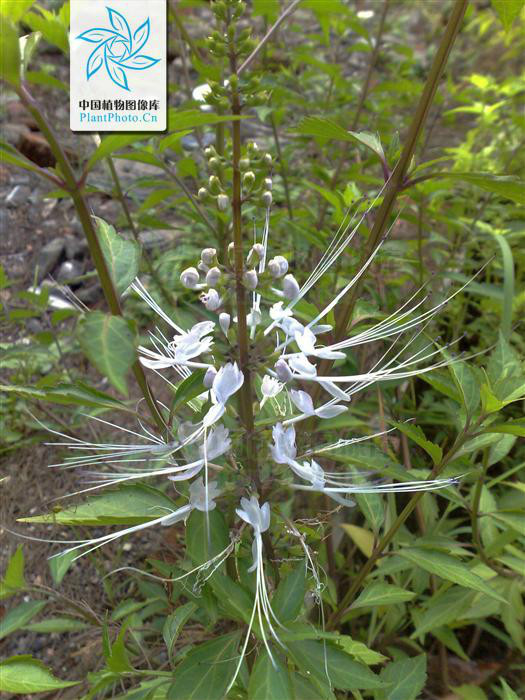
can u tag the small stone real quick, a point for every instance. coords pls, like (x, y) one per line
(160, 239)
(18, 196)
(190, 143)
(76, 248)
(91, 294)
(69, 270)
(49, 257)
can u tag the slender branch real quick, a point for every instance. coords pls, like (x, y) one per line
(282, 167)
(398, 176)
(183, 31)
(86, 221)
(291, 8)
(200, 211)
(362, 99)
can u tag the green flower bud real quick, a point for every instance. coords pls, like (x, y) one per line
(215, 184)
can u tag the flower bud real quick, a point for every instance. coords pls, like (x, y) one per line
(223, 202)
(211, 300)
(202, 267)
(268, 183)
(189, 278)
(213, 276)
(244, 163)
(256, 253)
(253, 147)
(210, 375)
(278, 266)
(248, 179)
(268, 159)
(283, 371)
(215, 184)
(266, 198)
(250, 279)
(202, 194)
(209, 151)
(214, 163)
(290, 287)
(224, 322)
(231, 251)
(208, 255)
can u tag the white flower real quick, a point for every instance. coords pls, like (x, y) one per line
(229, 379)
(302, 365)
(303, 401)
(306, 342)
(278, 266)
(290, 287)
(193, 343)
(223, 202)
(283, 450)
(211, 299)
(250, 279)
(277, 312)
(213, 276)
(200, 93)
(270, 388)
(209, 377)
(283, 371)
(208, 255)
(190, 278)
(224, 322)
(201, 498)
(256, 253)
(255, 515)
(217, 443)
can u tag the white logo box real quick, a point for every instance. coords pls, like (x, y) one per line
(118, 60)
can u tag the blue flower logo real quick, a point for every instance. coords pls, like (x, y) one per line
(117, 49)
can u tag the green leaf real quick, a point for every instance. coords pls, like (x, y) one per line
(506, 186)
(117, 660)
(289, 596)
(448, 568)
(328, 129)
(188, 389)
(415, 433)
(362, 537)
(511, 427)
(14, 10)
(508, 693)
(467, 385)
(406, 676)
(20, 616)
(304, 690)
(344, 673)
(113, 143)
(174, 623)
(360, 651)
(207, 670)
(508, 282)
(233, 598)
(372, 507)
(128, 505)
(198, 546)
(269, 682)
(507, 11)
(23, 674)
(192, 118)
(54, 27)
(469, 692)
(109, 342)
(59, 565)
(10, 155)
(10, 58)
(122, 256)
(13, 579)
(57, 625)
(442, 609)
(379, 593)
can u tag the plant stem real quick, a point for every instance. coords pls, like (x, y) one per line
(122, 199)
(200, 211)
(390, 534)
(362, 99)
(95, 250)
(397, 178)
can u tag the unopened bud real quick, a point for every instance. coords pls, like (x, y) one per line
(248, 179)
(203, 267)
(210, 375)
(208, 255)
(215, 184)
(253, 147)
(256, 253)
(244, 163)
(268, 183)
(231, 251)
(213, 276)
(211, 300)
(214, 163)
(283, 371)
(268, 159)
(278, 266)
(189, 278)
(290, 287)
(209, 152)
(266, 198)
(223, 202)
(202, 194)
(224, 322)
(250, 279)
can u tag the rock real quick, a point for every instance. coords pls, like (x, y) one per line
(69, 270)
(34, 146)
(49, 257)
(91, 294)
(18, 196)
(190, 143)
(158, 239)
(76, 248)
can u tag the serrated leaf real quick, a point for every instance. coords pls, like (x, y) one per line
(23, 674)
(324, 128)
(128, 505)
(269, 682)
(122, 256)
(13, 579)
(415, 433)
(406, 677)
(448, 568)
(20, 616)
(289, 596)
(207, 670)
(174, 623)
(109, 342)
(345, 674)
(443, 609)
(379, 593)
